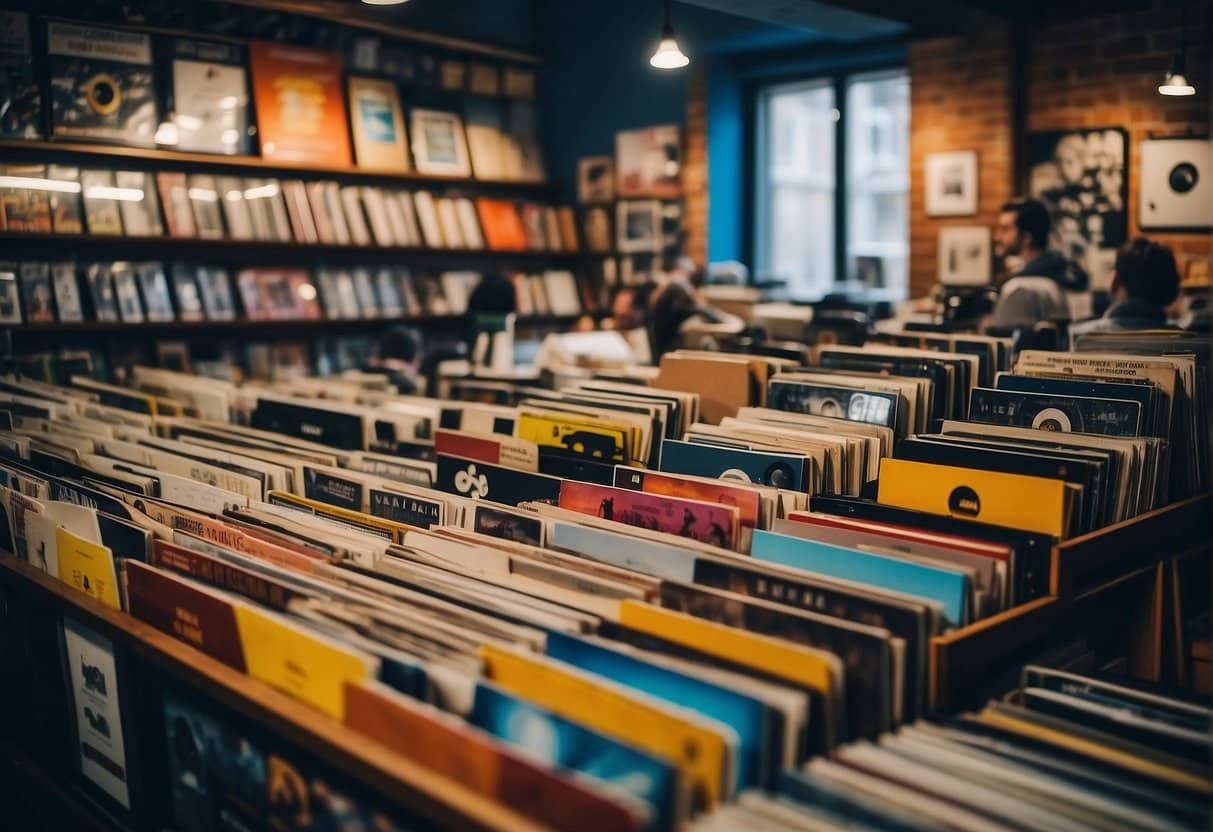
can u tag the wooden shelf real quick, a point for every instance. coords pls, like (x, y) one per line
(89, 153)
(259, 252)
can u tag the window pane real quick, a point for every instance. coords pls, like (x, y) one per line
(795, 204)
(878, 179)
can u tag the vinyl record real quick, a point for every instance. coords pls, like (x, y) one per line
(1052, 419)
(103, 94)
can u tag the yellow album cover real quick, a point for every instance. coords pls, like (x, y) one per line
(593, 438)
(701, 754)
(362, 521)
(87, 566)
(1035, 504)
(307, 667)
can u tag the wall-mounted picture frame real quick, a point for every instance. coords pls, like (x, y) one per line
(951, 184)
(1176, 185)
(648, 162)
(438, 144)
(595, 179)
(1082, 176)
(964, 255)
(638, 225)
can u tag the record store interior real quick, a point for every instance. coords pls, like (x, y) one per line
(605, 415)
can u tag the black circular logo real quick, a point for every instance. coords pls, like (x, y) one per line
(1183, 177)
(964, 501)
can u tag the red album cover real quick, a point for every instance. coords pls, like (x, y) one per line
(300, 102)
(711, 523)
(748, 503)
(503, 228)
(184, 612)
(262, 589)
(508, 451)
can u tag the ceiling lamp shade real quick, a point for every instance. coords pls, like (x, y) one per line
(383, 2)
(1175, 82)
(668, 55)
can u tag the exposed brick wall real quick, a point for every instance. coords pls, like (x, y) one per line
(695, 165)
(1097, 72)
(960, 99)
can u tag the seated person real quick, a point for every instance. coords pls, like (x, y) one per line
(1036, 291)
(1144, 283)
(398, 356)
(675, 306)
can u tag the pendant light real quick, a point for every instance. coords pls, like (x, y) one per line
(668, 54)
(1175, 82)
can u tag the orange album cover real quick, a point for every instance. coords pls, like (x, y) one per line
(300, 104)
(503, 228)
(748, 503)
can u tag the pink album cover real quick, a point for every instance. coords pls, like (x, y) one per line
(711, 523)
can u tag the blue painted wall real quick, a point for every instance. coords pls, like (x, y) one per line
(509, 23)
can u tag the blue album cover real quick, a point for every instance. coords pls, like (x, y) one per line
(779, 470)
(948, 587)
(751, 718)
(405, 677)
(568, 745)
(661, 560)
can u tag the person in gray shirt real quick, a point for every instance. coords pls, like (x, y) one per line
(1144, 284)
(1036, 292)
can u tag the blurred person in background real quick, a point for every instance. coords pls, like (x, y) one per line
(1144, 283)
(398, 356)
(1035, 290)
(675, 305)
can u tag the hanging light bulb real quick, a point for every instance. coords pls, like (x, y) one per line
(383, 2)
(668, 54)
(1175, 82)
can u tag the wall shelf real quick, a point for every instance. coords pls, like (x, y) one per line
(144, 158)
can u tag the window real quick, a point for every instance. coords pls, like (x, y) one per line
(832, 182)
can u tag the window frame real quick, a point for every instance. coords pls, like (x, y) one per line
(755, 182)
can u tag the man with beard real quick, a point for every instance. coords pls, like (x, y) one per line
(1036, 291)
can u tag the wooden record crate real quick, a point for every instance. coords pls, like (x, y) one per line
(39, 754)
(1118, 588)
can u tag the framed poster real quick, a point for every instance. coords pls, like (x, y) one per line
(378, 124)
(638, 225)
(300, 104)
(964, 255)
(595, 179)
(951, 184)
(648, 162)
(1082, 177)
(210, 97)
(1176, 184)
(438, 143)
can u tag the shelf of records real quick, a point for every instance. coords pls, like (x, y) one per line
(99, 296)
(261, 102)
(58, 203)
(688, 586)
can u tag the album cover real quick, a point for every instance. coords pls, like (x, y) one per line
(101, 290)
(404, 508)
(102, 85)
(438, 143)
(215, 289)
(140, 216)
(256, 306)
(67, 292)
(36, 295)
(1143, 393)
(300, 104)
(210, 97)
(873, 408)
(178, 212)
(299, 212)
(378, 124)
(707, 522)
(781, 471)
(364, 289)
(500, 522)
(156, 298)
(20, 98)
(502, 224)
(1057, 413)
(25, 208)
(596, 179)
(558, 463)
(328, 427)
(126, 292)
(391, 304)
(100, 207)
(185, 289)
(204, 198)
(67, 212)
(485, 136)
(481, 481)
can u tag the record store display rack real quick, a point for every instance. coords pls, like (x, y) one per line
(160, 182)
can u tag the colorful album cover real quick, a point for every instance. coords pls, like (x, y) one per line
(102, 85)
(378, 124)
(710, 523)
(67, 292)
(20, 98)
(26, 201)
(569, 745)
(576, 434)
(210, 97)
(747, 501)
(508, 525)
(36, 294)
(67, 213)
(300, 104)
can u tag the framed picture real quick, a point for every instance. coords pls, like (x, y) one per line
(638, 225)
(595, 179)
(1176, 191)
(964, 255)
(648, 162)
(1082, 176)
(438, 143)
(300, 104)
(378, 124)
(951, 184)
